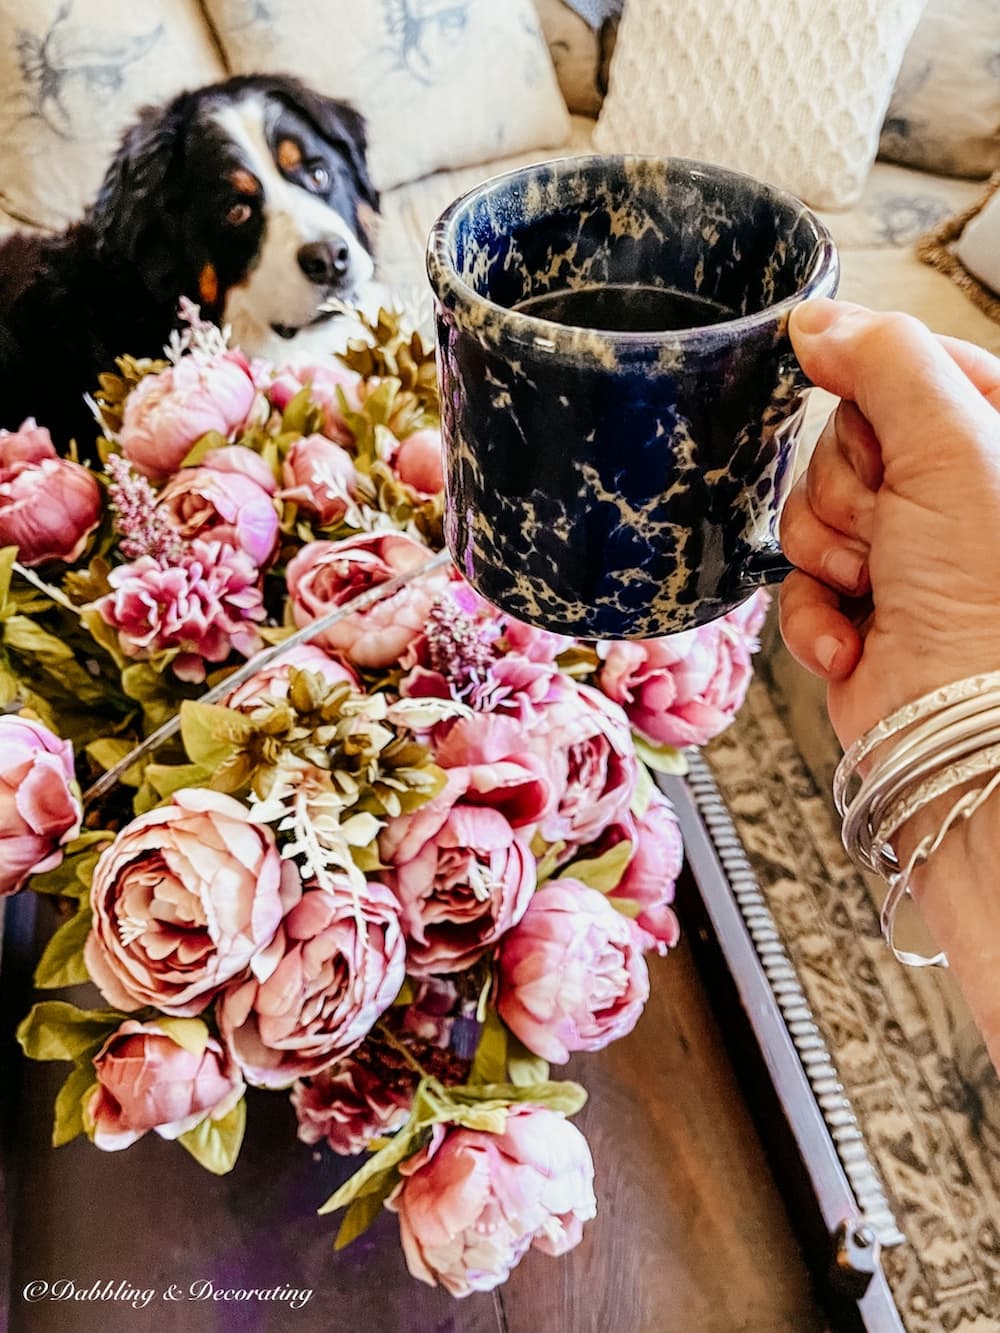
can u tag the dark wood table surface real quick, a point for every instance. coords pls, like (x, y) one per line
(691, 1234)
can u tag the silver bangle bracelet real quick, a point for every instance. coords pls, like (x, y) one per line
(891, 783)
(905, 717)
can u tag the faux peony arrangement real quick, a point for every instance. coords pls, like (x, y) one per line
(315, 817)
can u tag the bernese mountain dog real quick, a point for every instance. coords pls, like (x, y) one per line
(251, 197)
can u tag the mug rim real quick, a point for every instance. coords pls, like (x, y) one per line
(453, 292)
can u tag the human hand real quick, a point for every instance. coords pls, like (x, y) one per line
(895, 527)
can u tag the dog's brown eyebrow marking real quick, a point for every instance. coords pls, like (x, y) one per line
(289, 155)
(208, 284)
(245, 182)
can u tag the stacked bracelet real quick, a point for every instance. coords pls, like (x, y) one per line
(925, 749)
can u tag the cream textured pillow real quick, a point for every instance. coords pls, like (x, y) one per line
(945, 109)
(442, 83)
(791, 91)
(73, 74)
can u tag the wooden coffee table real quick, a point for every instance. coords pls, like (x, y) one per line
(693, 1233)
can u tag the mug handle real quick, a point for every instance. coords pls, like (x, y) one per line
(767, 565)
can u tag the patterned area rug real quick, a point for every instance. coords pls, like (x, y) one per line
(922, 1087)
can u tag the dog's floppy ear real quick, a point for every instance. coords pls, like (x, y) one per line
(133, 213)
(343, 128)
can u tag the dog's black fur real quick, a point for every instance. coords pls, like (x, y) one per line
(111, 284)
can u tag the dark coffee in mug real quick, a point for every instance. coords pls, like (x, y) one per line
(619, 396)
(625, 307)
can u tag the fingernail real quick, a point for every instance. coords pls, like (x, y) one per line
(827, 648)
(815, 316)
(845, 568)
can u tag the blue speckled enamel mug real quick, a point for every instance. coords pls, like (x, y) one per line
(610, 481)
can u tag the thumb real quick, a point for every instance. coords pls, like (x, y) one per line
(906, 384)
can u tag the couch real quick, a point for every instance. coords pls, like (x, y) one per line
(77, 70)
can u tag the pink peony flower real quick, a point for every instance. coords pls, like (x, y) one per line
(538, 645)
(471, 1203)
(320, 477)
(238, 460)
(166, 414)
(419, 461)
(40, 808)
(145, 1081)
(27, 445)
(686, 688)
(223, 505)
(271, 683)
(590, 749)
(348, 1106)
(572, 975)
(336, 965)
(461, 871)
(203, 606)
(325, 575)
(326, 380)
(651, 874)
(185, 898)
(48, 508)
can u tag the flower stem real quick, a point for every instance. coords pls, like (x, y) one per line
(54, 594)
(392, 1040)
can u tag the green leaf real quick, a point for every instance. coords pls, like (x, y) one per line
(630, 907)
(660, 758)
(363, 1212)
(210, 440)
(602, 872)
(55, 1030)
(215, 1144)
(525, 1069)
(561, 1096)
(643, 792)
(28, 638)
(211, 734)
(8, 554)
(490, 1062)
(190, 1033)
(579, 660)
(110, 750)
(62, 962)
(370, 1178)
(165, 779)
(69, 1105)
(299, 417)
(548, 861)
(407, 992)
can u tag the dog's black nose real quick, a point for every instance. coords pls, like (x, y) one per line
(325, 262)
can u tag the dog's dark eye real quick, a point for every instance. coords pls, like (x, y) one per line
(238, 214)
(317, 176)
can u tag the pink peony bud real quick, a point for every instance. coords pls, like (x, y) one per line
(651, 874)
(326, 381)
(686, 688)
(40, 807)
(224, 506)
(320, 477)
(271, 683)
(325, 575)
(30, 443)
(572, 975)
(166, 414)
(145, 1081)
(471, 1204)
(48, 509)
(419, 461)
